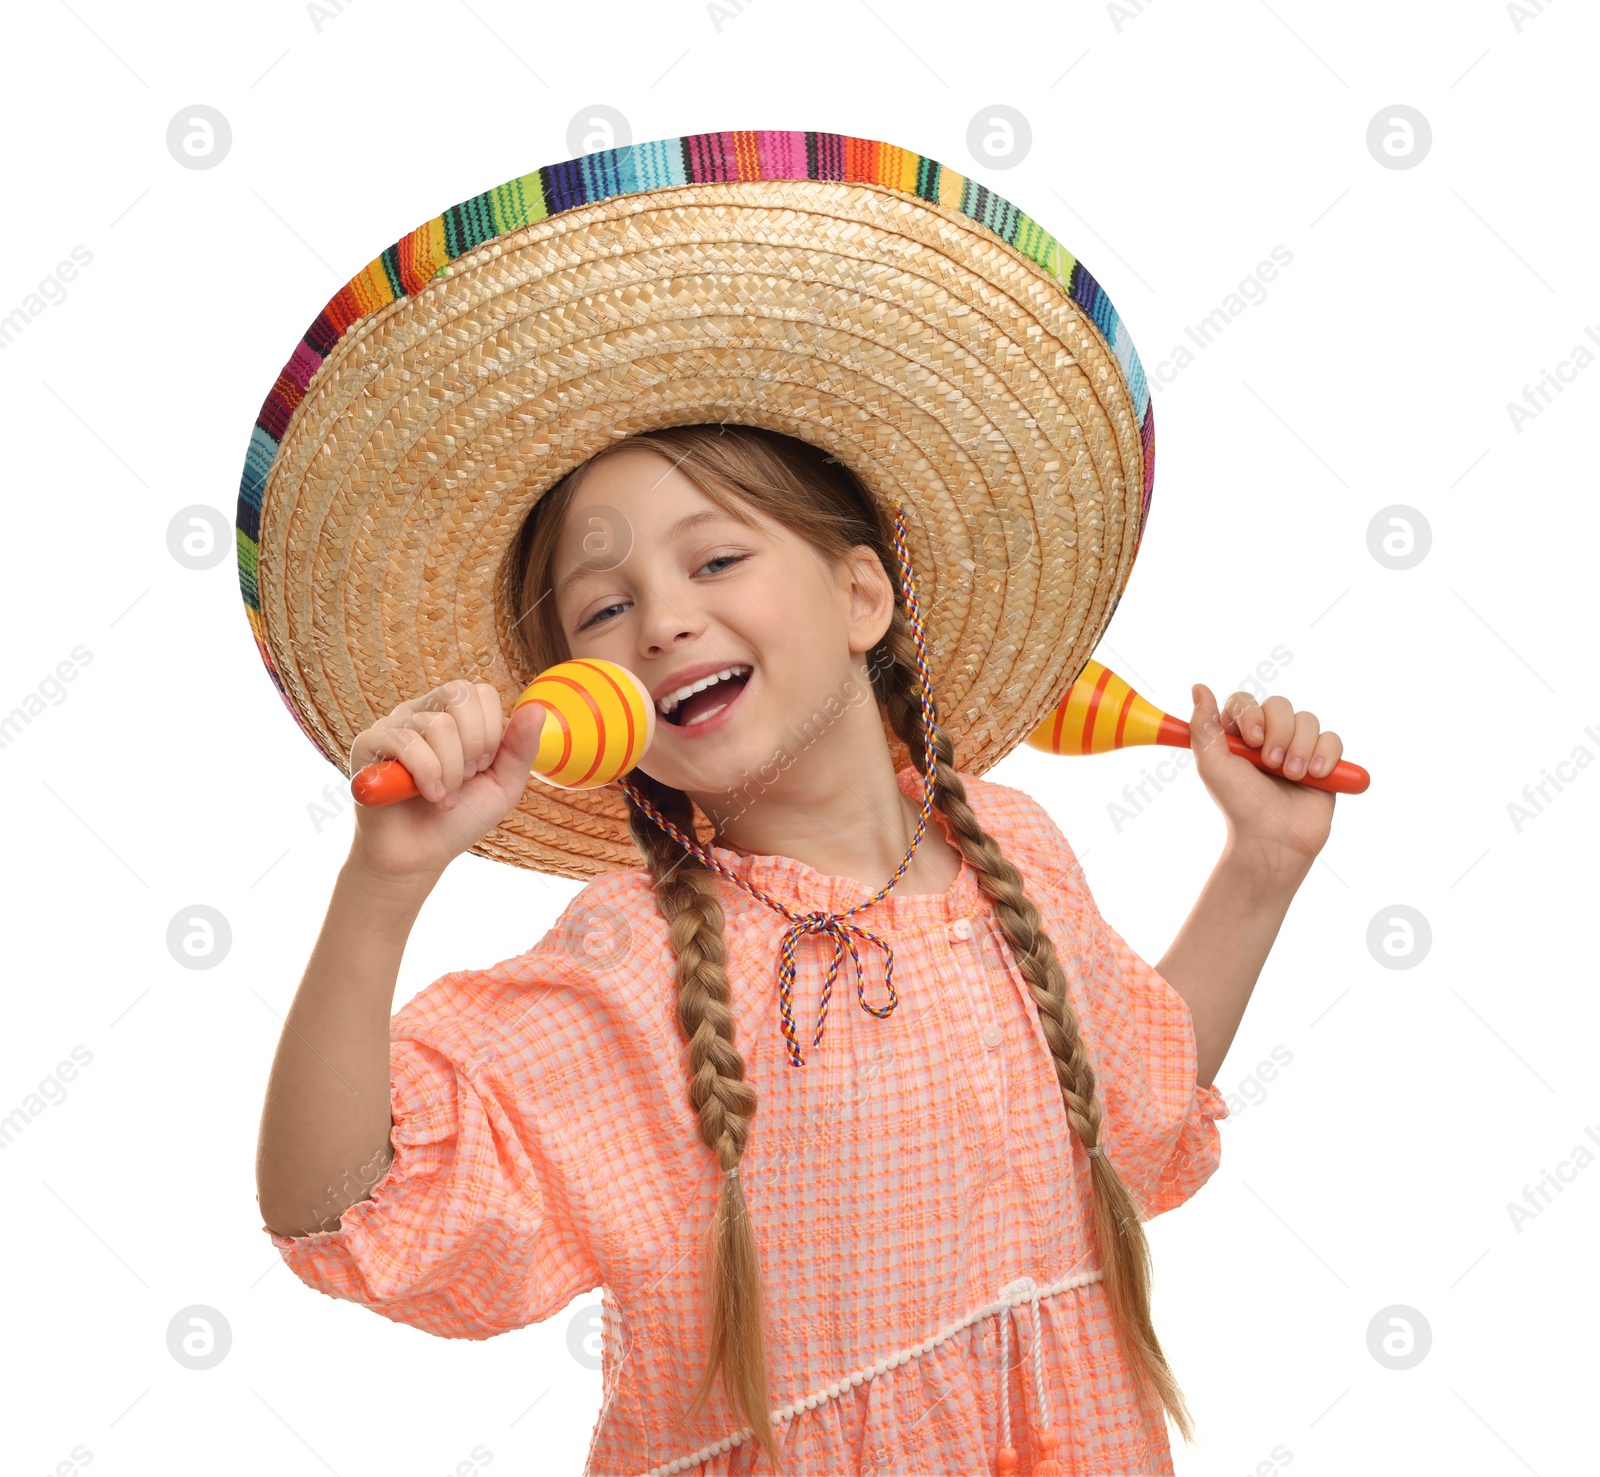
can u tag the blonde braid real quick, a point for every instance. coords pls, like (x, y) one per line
(724, 1105)
(1124, 1252)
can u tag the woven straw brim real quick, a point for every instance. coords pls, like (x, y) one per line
(943, 365)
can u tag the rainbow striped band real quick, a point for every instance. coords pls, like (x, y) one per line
(735, 155)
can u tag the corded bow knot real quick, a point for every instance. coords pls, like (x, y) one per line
(835, 927)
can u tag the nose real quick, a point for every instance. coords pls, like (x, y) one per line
(663, 622)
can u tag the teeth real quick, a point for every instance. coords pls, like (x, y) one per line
(672, 699)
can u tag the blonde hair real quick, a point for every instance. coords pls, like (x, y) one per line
(819, 499)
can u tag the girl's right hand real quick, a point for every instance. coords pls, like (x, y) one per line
(469, 765)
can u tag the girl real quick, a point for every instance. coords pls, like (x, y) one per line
(895, 1194)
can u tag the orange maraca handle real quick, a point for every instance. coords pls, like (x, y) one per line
(599, 720)
(384, 782)
(1344, 778)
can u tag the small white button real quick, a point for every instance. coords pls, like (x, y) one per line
(993, 1036)
(961, 928)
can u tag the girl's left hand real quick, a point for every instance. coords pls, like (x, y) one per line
(1274, 820)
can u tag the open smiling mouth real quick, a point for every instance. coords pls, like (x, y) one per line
(710, 702)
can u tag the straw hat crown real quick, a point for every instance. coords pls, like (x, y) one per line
(849, 292)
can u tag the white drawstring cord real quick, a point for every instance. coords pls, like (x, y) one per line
(1038, 1363)
(1012, 1295)
(1005, 1376)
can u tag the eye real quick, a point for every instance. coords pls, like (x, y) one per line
(724, 559)
(584, 626)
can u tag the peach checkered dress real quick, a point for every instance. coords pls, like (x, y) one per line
(919, 1203)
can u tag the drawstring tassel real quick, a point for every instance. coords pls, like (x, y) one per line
(1042, 1438)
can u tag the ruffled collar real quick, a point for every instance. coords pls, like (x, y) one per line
(805, 889)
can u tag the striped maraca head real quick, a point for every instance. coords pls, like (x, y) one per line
(1100, 712)
(605, 720)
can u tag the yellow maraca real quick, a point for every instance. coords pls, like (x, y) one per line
(1101, 712)
(599, 720)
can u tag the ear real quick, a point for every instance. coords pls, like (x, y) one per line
(871, 597)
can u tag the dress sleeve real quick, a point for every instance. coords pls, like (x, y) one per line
(484, 1221)
(1160, 1128)
(1166, 1143)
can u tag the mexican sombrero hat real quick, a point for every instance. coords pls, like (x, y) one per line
(855, 294)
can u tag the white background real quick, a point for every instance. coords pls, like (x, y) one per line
(1171, 150)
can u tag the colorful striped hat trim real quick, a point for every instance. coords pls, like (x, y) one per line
(736, 155)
